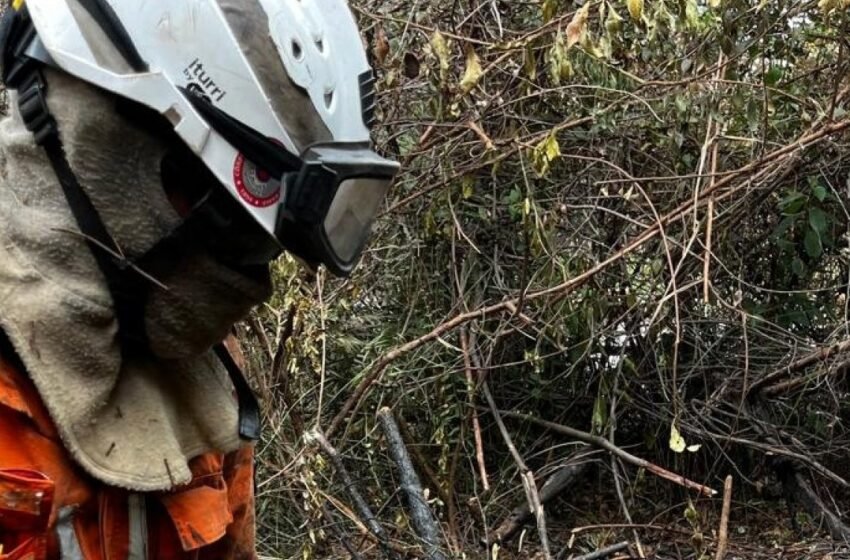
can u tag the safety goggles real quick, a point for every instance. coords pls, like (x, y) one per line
(331, 194)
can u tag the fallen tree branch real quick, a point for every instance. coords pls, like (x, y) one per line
(818, 355)
(723, 532)
(529, 484)
(360, 503)
(346, 512)
(419, 460)
(421, 515)
(603, 443)
(785, 387)
(472, 384)
(599, 554)
(799, 488)
(562, 480)
(341, 537)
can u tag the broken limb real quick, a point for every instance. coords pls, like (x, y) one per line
(621, 453)
(528, 482)
(798, 488)
(360, 503)
(723, 532)
(599, 554)
(562, 480)
(421, 515)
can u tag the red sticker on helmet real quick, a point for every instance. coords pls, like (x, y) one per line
(256, 186)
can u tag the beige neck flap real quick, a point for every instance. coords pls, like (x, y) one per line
(135, 424)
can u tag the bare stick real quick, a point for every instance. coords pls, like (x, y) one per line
(471, 384)
(528, 482)
(601, 553)
(798, 487)
(420, 513)
(362, 506)
(723, 533)
(818, 355)
(562, 480)
(419, 460)
(608, 446)
(345, 542)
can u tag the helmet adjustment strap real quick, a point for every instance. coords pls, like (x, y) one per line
(127, 284)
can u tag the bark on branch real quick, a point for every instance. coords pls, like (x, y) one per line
(568, 286)
(421, 515)
(562, 480)
(360, 503)
(603, 443)
(768, 383)
(798, 487)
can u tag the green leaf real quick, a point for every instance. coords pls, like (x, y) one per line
(813, 245)
(691, 515)
(818, 220)
(468, 185)
(614, 22)
(798, 267)
(793, 203)
(772, 77)
(600, 414)
(559, 65)
(820, 192)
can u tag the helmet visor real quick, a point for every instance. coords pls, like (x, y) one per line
(351, 214)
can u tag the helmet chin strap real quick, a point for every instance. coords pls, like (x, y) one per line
(128, 284)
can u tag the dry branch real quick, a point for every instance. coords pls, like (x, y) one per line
(798, 487)
(562, 480)
(472, 384)
(723, 532)
(421, 515)
(529, 484)
(599, 554)
(568, 286)
(360, 503)
(766, 383)
(603, 443)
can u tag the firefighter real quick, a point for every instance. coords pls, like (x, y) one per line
(156, 159)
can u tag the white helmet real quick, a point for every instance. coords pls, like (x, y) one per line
(276, 97)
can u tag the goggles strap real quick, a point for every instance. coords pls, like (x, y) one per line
(128, 285)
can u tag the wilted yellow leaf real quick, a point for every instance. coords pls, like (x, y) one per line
(613, 23)
(441, 50)
(829, 6)
(635, 9)
(549, 9)
(560, 67)
(544, 154)
(714, 3)
(677, 442)
(473, 71)
(578, 25)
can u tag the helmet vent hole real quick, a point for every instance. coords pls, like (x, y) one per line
(297, 51)
(320, 44)
(329, 99)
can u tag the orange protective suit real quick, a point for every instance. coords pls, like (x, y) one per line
(50, 509)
